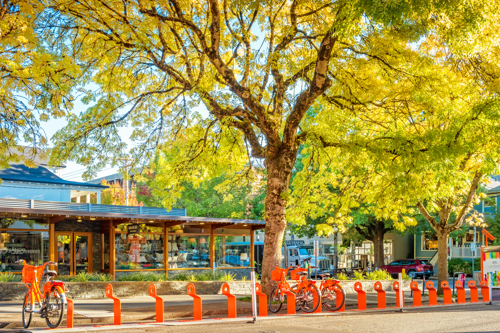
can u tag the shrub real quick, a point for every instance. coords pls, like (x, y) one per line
(405, 276)
(9, 277)
(358, 275)
(86, 277)
(228, 277)
(379, 274)
(461, 265)
(342, 277)
(140, 276)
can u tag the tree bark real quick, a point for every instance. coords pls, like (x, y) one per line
(442, 234)
(378, 247)
(279, 171)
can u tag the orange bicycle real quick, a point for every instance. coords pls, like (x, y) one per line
(331, 293)
(304, 290)
(50, 303)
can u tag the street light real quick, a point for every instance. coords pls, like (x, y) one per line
(335, 230)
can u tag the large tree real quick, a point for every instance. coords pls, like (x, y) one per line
(256, 66)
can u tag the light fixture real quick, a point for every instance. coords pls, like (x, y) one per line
(151, 221)
(202, 223)
(24, 215)
(245, 225)
(203, 240)
(79, 220)
(92, 218)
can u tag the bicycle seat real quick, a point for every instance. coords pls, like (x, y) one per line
(50, 273)
(325, 275)
(301, 273)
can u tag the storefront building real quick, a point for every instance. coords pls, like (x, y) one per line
(121, 239)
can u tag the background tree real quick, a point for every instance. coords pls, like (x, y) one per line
(257, 67)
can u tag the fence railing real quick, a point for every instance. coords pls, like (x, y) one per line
(88, 207)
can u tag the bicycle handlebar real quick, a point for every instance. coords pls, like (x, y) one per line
(51, 263)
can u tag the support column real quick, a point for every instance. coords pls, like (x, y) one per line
(252, 248)
(165, 247)
(52, 242)
(112, 250)
(212, 246)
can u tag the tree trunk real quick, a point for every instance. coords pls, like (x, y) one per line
(378, 247)
(442, 258)
(279, 171)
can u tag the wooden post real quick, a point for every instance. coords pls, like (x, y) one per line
(52, 242)
(165, 247)
(212, 246)
(252, 248)
(112, 249)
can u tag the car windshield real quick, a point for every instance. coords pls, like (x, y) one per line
(425, 262)
(306, 252)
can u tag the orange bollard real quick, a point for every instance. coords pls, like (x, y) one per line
(446, 292)
(231, 301)
(380, 295)
(432, 293)
(417, 294)
(317, 298)
(290, 298)
(69, 313)
(159, 303)
(473, 292)
(485, 291)
(398, 290)
(117, 305)
(460, 292)
(339, 295)
(262, 300)
(196, 301)
(358, 287)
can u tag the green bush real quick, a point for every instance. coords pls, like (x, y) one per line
(140, 276)
(358, 275)
(342, 277)
(462, 265)
(86, 277)
(9, 277)
(379, 274)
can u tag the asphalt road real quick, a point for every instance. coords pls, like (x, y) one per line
(469, 318)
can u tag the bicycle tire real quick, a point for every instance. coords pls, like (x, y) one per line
(48, 308)
(274, 308)
(328, 290)
(314, 306)
(293, 289)
(27, 315)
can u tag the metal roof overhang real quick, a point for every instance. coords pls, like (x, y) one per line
(7, 212)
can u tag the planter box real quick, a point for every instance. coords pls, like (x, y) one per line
(15, 290)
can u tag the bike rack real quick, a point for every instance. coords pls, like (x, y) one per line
(117, 305)
(446, 292)
(460, 292)
(159, 303)
(196, 301)
(358, 287)
(417, 295)
(397, 289)
(69, 313)
(432, 293)
(474, 298)
(485, 290)
(262, 300)
(290, 298)
(381, 304)
(231, 301)
(317, 298)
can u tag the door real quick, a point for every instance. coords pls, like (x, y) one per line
(74, 252)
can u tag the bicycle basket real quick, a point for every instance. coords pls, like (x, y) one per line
(294, 274)
(277, 273)
(29, 273)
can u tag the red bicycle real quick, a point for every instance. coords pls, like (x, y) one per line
(50, 303)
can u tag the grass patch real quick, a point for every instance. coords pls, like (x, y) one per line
(9, 277)
(86, 277)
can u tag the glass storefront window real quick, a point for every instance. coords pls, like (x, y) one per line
(144, 251)
(429, 241)
(32, 246)
(232, 251)
(188, 251)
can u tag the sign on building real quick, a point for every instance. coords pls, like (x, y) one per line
(490, 257)
(133, 229)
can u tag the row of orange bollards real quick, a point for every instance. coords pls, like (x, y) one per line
(358, 287)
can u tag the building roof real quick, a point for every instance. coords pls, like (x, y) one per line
(22, 173)
(112, 177)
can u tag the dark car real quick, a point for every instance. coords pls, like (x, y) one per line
(412, 267)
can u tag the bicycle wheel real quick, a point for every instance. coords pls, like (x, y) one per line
(306, 298)
(329, 297)
(27, 306)
(275, 300)
(54, 308)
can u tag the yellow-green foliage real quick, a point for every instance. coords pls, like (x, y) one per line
(342, 276)
(358, 275)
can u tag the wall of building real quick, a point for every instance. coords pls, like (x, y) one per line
(402, 246)
(35, 192)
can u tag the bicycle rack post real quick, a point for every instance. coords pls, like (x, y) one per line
(159, 303)
(196, 301)
(231, 301)
(474, 298)
(117, 305)
(485, 290)
(262, 300)
(432, 293)
(69, 313)
(290, 298)
(381, 304)
(358, 287)
(397, 289)
(460, 292)
(417, 296)
(317, 298)
(446, 292)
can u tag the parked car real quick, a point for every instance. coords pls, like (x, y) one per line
(412, 267)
